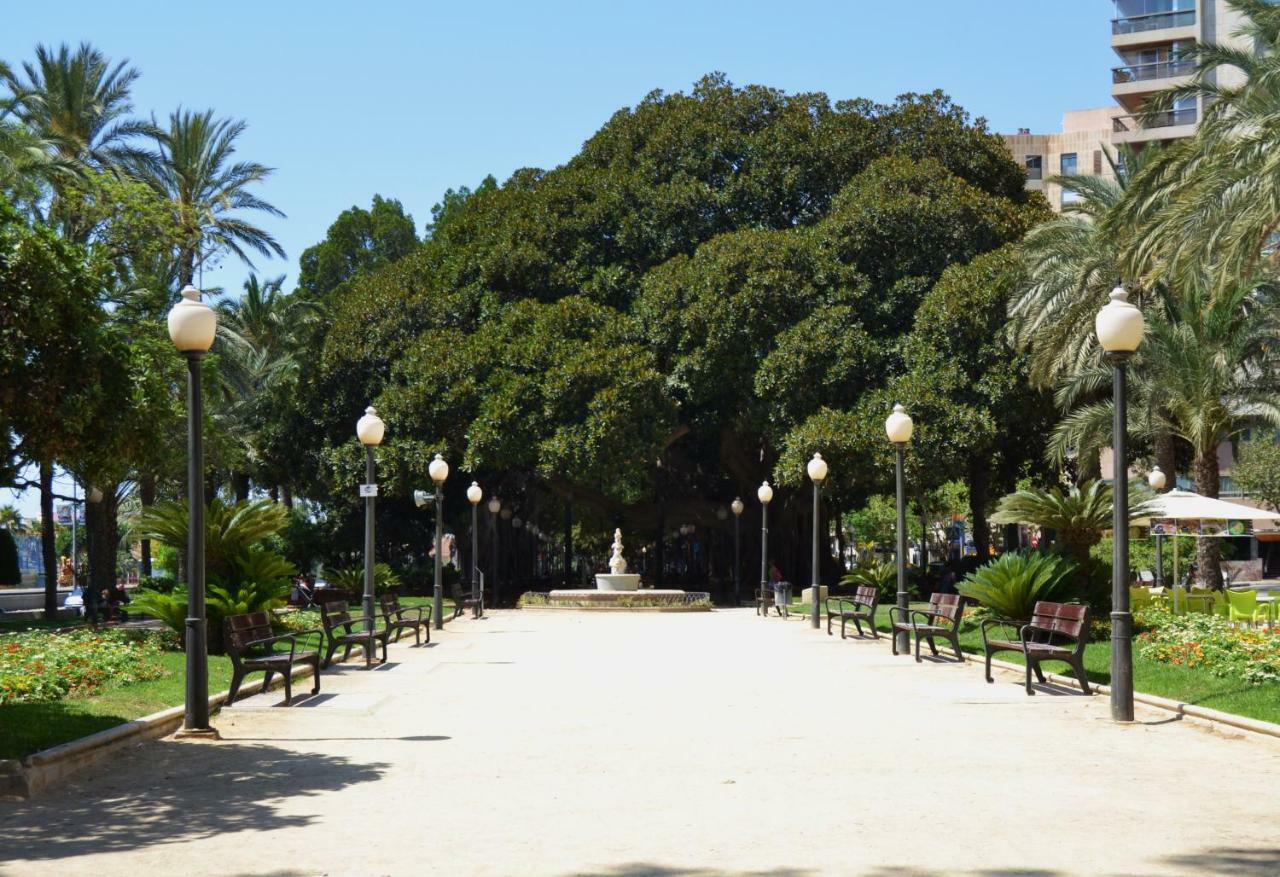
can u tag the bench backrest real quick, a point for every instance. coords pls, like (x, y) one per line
(867, 594)
(1065, 619)
(334, 614)
(948, 606)
(240, 630)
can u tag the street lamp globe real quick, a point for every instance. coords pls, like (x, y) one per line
(817, 468)
(517, 523)
(192, 323)
(737, 506)
(898, 426)
(1119, 324)
(369, 429)
(438, 470)
(1156, 478)
(495, 505)
(765, 493)
(474, 493)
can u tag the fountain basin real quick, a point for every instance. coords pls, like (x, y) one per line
(617, 582)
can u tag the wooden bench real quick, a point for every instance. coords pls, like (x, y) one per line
(342, 629)
(252, 645)
(1036, 641)
(401, 618)
(940, 619)
(858, 608)
(462, 601)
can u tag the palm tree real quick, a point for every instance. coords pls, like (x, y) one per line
(1220, 188)
(76, 105)
(195, 173)
(267, 318)
(1072, 263)
(1209, 369)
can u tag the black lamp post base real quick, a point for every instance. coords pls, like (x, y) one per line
(197, 734)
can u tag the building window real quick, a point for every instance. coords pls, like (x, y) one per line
(1097, 161)
(1035, 167)
(1068, 163)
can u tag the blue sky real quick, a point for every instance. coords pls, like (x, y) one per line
(406, 98)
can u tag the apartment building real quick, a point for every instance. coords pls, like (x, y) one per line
(1152, 40)
(1077, 149)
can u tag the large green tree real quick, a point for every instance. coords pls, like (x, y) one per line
(669, 317)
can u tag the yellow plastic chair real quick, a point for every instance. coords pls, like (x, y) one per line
(1139, 599)
(1244, 606)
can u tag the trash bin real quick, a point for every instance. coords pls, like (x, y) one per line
(782, 597)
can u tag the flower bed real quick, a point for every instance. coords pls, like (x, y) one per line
(1210, 642)
(41, 667)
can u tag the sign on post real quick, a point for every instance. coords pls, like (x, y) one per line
(367, 490)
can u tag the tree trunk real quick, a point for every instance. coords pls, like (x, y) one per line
(1166, 457)
(49, 542)
(287, 494)
(979, 478)
(147, 495)
(1208, 551)
(102, 530)
(240, 485)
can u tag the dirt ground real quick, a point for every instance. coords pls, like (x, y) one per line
(566, 743)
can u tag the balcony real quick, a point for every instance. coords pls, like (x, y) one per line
(1157, 70)
(1127, 124)
(1154, 21)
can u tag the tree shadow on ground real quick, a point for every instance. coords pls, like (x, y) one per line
(650, 869)
(1230, 860)
(909, 871)
(169, 793)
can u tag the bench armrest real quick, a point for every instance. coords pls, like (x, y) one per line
(905, 613)
(997, 622)
(841, 602)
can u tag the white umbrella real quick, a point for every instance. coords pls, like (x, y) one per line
(1182, 505)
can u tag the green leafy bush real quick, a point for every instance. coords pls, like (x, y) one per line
(1210, 642)
(351, 578)
(163, 584)
(1010, 585)
(881, 576)
(39, 667)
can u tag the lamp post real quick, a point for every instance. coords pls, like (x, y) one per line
(898, 427)
(765, 494)
(474, 495)
(439, 471)
(507, 561)
(192, 328)
(817, 474)
(495, 506)
(369, 430)
(1156, 479)
(737, 507)
(1119, 326)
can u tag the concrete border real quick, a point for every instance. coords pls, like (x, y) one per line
(20, 779)
(1182, 710)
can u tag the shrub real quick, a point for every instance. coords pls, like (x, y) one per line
(1011, 585)
(163, 584)
(881, 576)
(1211, 643)
(351, 578)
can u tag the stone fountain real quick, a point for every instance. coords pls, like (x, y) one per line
(617, 579)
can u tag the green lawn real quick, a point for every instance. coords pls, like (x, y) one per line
(30, 727)
(1185, 684)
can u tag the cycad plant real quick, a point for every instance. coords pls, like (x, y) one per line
(351, 579)
(881, 576)
(1010, 586)
(243, 574)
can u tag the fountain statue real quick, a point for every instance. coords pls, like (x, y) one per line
(618, 579)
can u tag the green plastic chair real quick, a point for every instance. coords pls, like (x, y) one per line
(1202, 600)
(1244, 606)
(1139, 598)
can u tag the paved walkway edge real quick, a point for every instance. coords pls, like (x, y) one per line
(1190, 710)
(33, 774)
